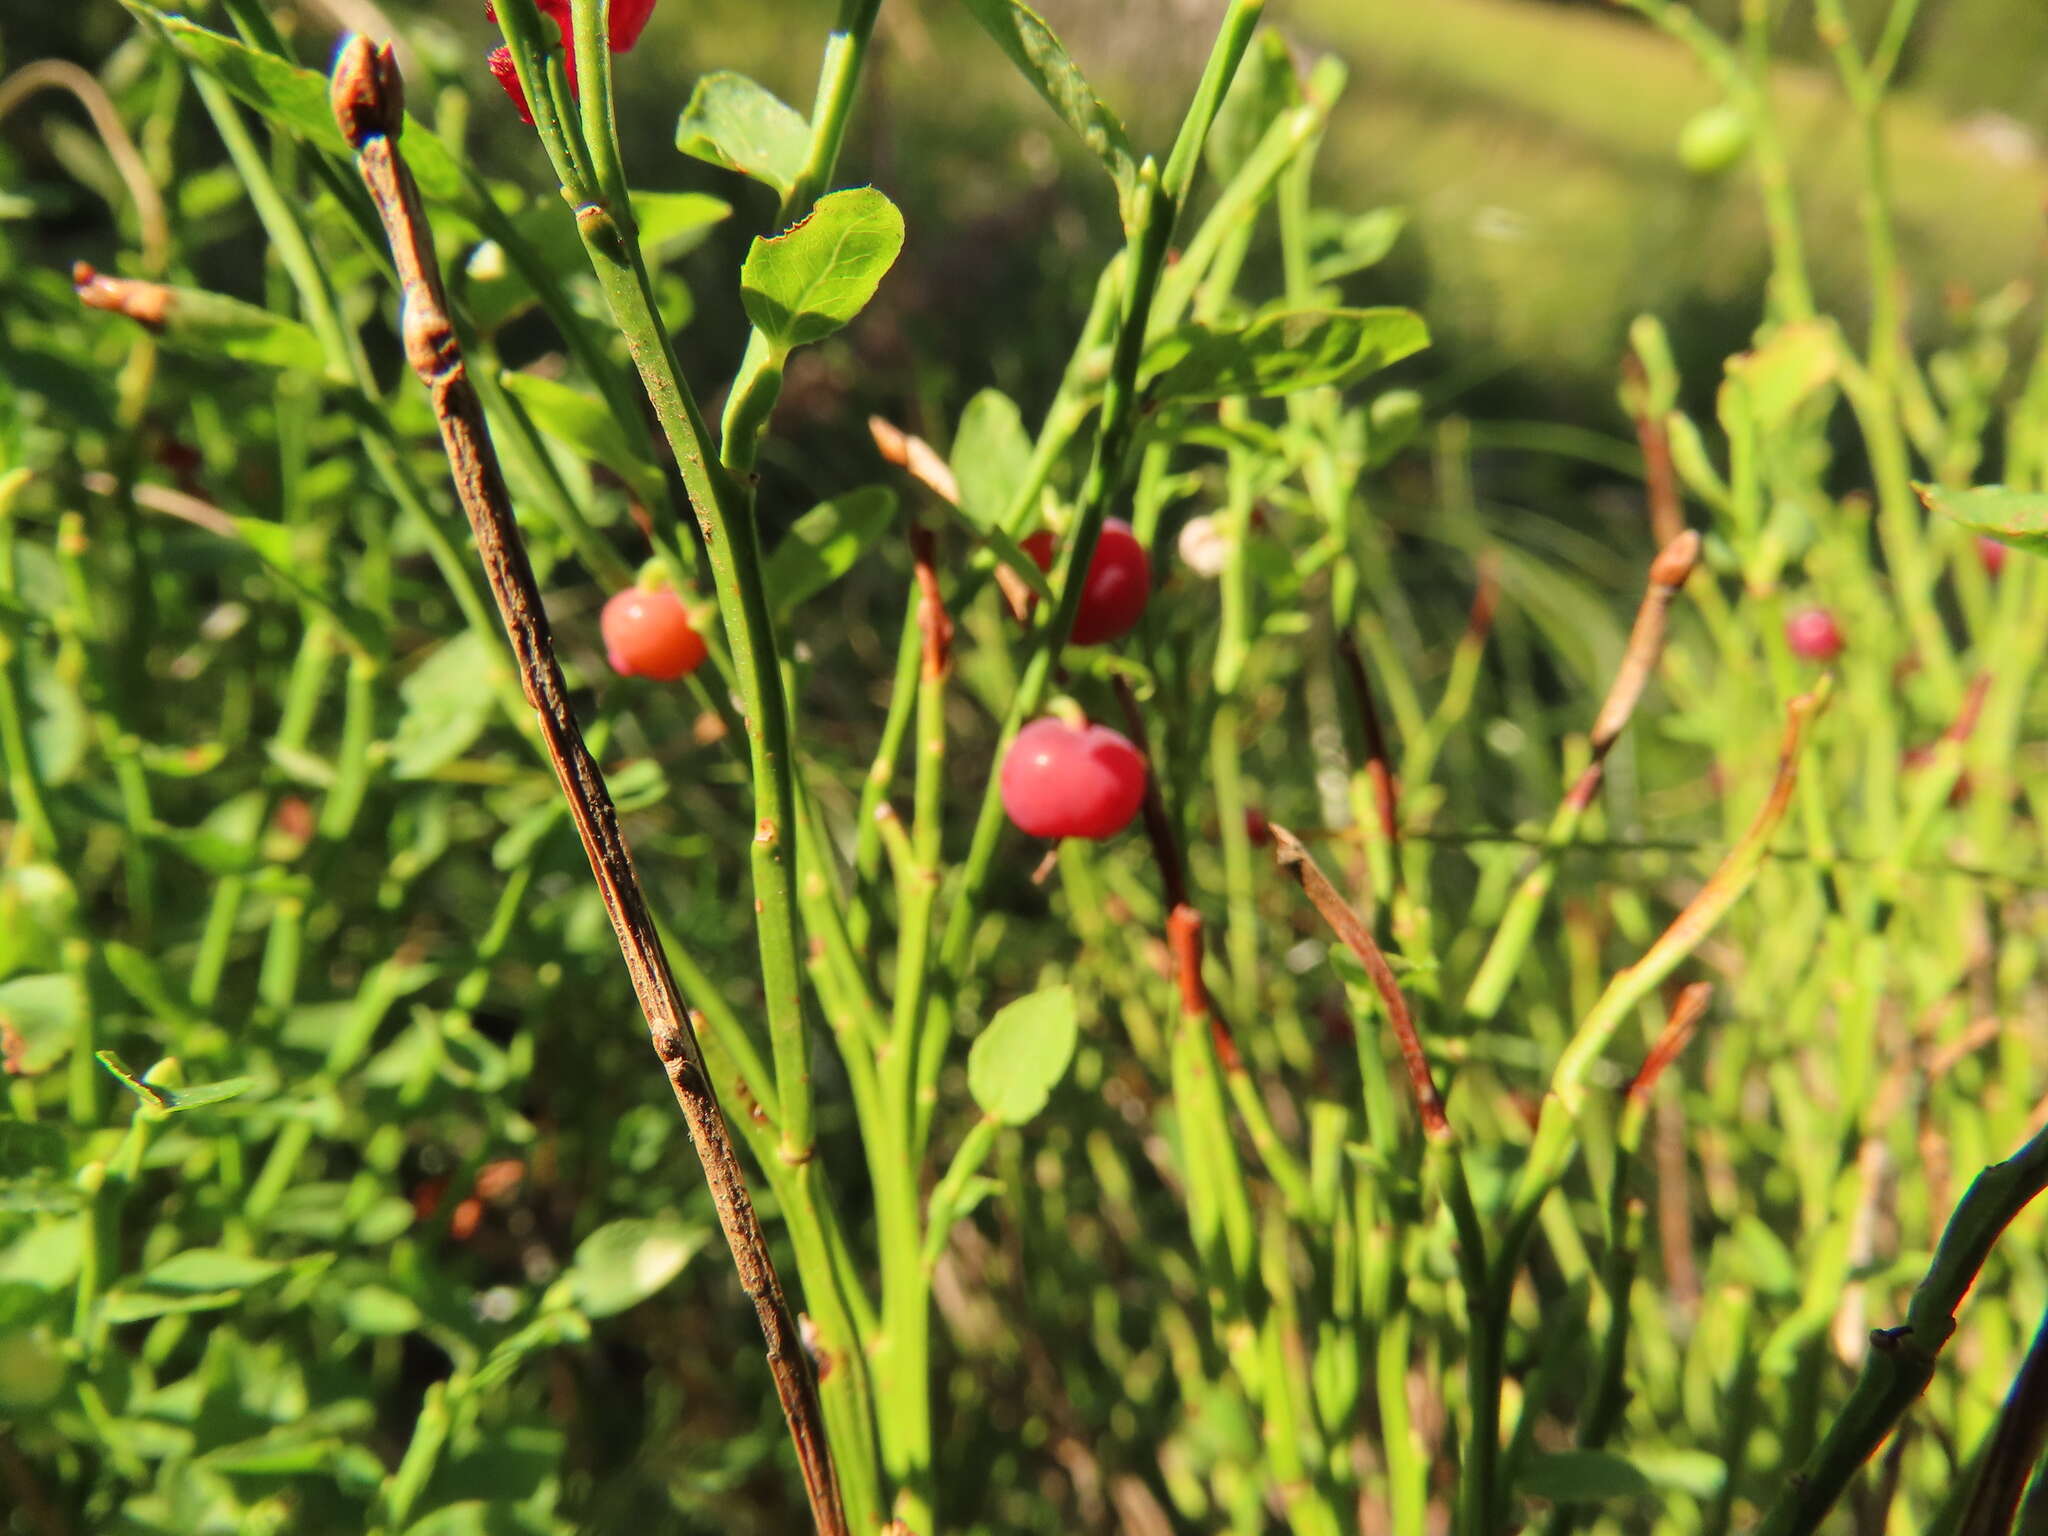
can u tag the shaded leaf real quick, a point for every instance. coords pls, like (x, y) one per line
(379, 1311)
(1585, 1477)
(823, 544)
(807, 282)
(2018, 518)
(991, 450)
(739, 125)
(446, 707)
(209, 1269)
(159, 1101)
(623, 1263)
(1279, 354)
(28, 1148)
(295, 99)
(1783, 373)
(584, 424)
(1021, 1056)
(1043, 60)
(1341, 245)
(41, 1017)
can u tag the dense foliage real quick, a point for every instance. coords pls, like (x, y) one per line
(1251, 993)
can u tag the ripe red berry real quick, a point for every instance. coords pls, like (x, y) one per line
(507, 74)
(1256, 828)
(1060, 780)
(1118, 585)
(1814, 635)
(648, 634)
(1992, 553)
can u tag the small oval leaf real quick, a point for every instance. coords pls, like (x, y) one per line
(808, 281)
(1022, 1055)
(823, 544)
(739, 125)
(623, 1263)
(1279, 354)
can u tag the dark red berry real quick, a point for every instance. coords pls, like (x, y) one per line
(649, 634)
(1814, 635)
(1256, 828)
(1060, 780)
(1118, 585)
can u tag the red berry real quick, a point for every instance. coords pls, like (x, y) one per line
(647, 634)
(1256, 827)
(1992, 552)
(1060, 780)
(1814, 635)
(507, 75)
(1118, 585)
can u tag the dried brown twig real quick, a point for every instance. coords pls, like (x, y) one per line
(1293, 857)
(368, 104)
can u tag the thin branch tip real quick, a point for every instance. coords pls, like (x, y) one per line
(367, 91)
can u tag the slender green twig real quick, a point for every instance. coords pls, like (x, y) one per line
(368, 107)
(1902, 1360)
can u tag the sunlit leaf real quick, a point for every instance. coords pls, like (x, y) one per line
(823, 544)
(736, 124)
(1043, 60)
(1279, 354)
(805, 283)
(1022, 1055)
(2018, 518)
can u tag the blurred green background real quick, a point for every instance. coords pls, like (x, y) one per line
(1533, 145)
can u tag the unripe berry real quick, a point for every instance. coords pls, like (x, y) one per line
(649, 634)
(1116, 589)
(1060, 780)
(1713, 140)
(1814, 635)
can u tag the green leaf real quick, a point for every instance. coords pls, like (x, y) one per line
(623, 1263)
(1043, 60)
(808, 281)
(1023, 1053)
(823, 544)
(209, 1269)
(2018, 518)
(1786, 371)
(141, 978)
(295, 557)
(42, 1016)
(1586, 1477)
(159, 1101)
(990, 453)
(141, 1306)
(1279, 354)
(212, 324)
(28, 1148)
(469, 1517)
(738, 125)
(446, 707)
(379, 1311)
(1340, 245)
(586, 426)
(675, 223)
(1266, 86)
(295, 99)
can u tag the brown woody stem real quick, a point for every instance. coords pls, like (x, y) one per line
(1295, 859)
(369, 107)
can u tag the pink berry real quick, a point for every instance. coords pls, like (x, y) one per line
(1060, 780)
(1814, 635)
(1118, 586)
(649, 634)
(1992, 553)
